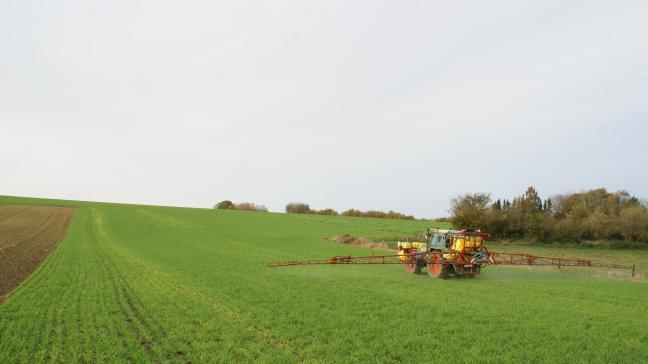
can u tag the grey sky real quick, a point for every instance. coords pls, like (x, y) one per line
(367, 104)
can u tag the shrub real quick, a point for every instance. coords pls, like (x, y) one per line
(298, 208)
(469, 210)
(327, 212)
(352, 213)
(249, 206)
(225, 205)
(594, 215)
(377, 214)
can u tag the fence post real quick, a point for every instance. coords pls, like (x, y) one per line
(633, 271)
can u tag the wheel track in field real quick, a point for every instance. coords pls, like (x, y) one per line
(51, 317)
(118, 290)
(62, 313)
(79, 327)
(256, 330)
(191, 297)
(131, 298)
(150, 335)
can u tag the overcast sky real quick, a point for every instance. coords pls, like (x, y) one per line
(367, 104)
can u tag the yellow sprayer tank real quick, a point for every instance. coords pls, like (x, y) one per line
(406, 247)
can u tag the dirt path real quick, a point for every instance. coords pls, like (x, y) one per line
(28, 234)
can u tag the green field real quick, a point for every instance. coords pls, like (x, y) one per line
(158, 284)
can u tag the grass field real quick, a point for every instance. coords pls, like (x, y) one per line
(156, 284)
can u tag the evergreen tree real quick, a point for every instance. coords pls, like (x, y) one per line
(531, 200)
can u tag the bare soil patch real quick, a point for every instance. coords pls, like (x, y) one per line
(28, 234)
(358, 241)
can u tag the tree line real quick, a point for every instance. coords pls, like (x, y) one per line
(304, 208)
(585, 216)
(243, 206)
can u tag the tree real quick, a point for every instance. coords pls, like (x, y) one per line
(298, 208)
(327, 212)
(634, 224)
(249, 206)
(559, 205)
(547, 208)
(497, 206)
(531, 200)
(225, 205)
(468, 210)
(353, 212)
(644, 204)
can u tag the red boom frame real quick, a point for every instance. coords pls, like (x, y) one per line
(494, 258)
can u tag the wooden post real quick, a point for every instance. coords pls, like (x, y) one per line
(633, 271)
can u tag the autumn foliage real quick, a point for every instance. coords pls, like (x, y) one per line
(585, 216)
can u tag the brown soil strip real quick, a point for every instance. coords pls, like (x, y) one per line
(358, 241)
(28, 234)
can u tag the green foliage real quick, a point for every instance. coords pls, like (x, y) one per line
(243, 206)
(327, 212)
(298, 208)
(156, 284)
(249, 206)
(225, 205)
(377, 214)
(590, 215)
(303, 208)
(468, 210)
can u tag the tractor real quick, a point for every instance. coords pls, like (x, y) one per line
(446, 252)
(458, 253)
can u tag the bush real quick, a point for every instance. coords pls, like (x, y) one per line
(352, 213)
(244, 206)
(298, 208)
(327, 212)
(303, 208)
(594, 215)
(469, 210)
(225, 205)
(249, 206)
(377, 214)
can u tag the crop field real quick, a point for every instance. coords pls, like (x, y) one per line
(28, 235)
(161, 284)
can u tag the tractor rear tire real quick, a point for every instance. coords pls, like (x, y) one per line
(445, 271)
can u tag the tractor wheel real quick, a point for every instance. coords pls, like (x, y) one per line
(435, 269)
(410, 266)
(446, 269)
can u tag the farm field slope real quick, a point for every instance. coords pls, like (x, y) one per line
(154, 284)
(28, 234)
